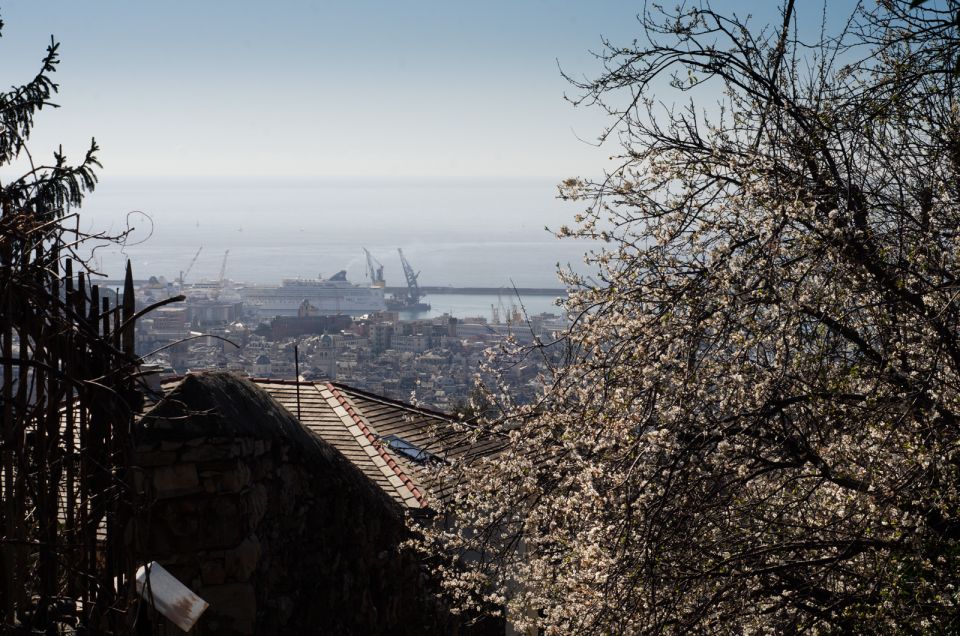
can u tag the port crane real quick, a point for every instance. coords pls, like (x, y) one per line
(374, 270)
(183, 274)
(223, 267)
(222, 279)
(413, 289)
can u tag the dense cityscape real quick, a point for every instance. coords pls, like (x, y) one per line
(433, 361)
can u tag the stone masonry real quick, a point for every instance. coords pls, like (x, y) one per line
(269, 524)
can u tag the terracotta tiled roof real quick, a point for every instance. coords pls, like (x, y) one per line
(436, 433)
(352, 418)
(362, 427)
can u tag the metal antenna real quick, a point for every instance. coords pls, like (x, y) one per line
(296, 364)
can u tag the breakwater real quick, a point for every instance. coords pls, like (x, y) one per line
(485, 291)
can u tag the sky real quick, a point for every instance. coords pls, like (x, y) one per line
(321, 88)
(325, 87)
(364, 90)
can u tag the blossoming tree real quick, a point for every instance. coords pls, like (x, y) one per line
(756, 426)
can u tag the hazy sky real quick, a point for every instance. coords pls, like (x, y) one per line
(360, 87)
(323, 87)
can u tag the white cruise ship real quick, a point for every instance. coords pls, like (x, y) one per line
(335, 295)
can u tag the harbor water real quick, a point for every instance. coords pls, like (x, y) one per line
(460, 233)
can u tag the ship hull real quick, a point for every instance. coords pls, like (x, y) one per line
(328, 297)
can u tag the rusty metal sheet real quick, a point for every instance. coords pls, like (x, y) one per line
(174, 600)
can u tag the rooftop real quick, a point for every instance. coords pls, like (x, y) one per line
(397, 446)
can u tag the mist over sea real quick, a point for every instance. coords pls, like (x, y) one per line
(456, 232)
(481, 233)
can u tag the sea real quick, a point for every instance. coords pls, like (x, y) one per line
(493, 233)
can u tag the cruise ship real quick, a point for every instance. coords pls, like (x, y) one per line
(335, 295)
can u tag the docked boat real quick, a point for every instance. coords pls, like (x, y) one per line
(334, 295)
(403, 304)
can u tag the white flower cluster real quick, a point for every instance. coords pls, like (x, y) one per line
(753, 424)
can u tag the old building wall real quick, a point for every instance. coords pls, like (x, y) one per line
(270, 525)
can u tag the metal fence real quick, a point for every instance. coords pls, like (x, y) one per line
(69, 400)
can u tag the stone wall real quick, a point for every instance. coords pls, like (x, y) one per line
(270, 525)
